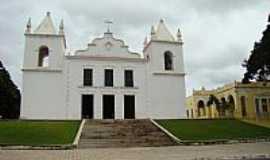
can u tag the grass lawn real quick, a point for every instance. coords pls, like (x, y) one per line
(38, 132)
(213, 129)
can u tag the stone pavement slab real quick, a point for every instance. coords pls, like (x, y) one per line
(144, 153)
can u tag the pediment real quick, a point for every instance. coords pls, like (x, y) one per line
(107, 46)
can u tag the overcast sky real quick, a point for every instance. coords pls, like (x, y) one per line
(217, 34)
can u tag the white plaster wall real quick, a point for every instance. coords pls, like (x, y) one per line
(156, 53)
(42, 96)
(55, 92)
(76, 88)
(34, 42)
(166, 97)
(166, 89)
(43, 87)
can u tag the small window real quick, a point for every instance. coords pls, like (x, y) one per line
(108, 78)
(129, 78)
(87, 77)
(168, 60)
(43, 56)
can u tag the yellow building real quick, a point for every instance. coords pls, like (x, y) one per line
(237, 100)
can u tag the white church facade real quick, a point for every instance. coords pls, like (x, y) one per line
(103, 81)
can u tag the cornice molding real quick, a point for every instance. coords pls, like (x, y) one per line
(41, 70)
(82, 57)
(169, 73)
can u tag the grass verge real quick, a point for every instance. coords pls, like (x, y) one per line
(195, 130)
(38, 133)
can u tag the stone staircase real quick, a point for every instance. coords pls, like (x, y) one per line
(122, 133)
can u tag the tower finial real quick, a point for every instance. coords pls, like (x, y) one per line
(46, 26)
(153, 33)
(179, 35)
(145, 41)
(61, 27)
(28, 26)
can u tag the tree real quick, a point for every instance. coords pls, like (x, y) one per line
(9, 96)
(258, 64)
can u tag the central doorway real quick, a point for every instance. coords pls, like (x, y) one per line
(87, 106)
(108, 106)
(129, 107)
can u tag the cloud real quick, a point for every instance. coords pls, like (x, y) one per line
(218, 35)
(222, 6)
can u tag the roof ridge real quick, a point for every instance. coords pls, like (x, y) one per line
(46, 26)
(163, 33)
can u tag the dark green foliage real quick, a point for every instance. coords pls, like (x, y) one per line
(258, 64)
(37, 133)
(210, 129)
(10, 97)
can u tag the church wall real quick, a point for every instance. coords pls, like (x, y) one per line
(32, 45)
(43, 96)
(76, 88)
(166, 100)
(166, 89)
(43, 88)
(54, 90)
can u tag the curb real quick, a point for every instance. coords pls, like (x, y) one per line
(173, 137)
(239, 157)
(56, 147)
(78, 135)
(220, 141)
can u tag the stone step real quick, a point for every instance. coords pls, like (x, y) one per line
(125, 140)
(121, 144)
(122, 133)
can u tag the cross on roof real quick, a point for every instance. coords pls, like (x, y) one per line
(108, 22)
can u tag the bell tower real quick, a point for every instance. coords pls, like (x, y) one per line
(44, 47)
(164, 51)
(43, 67)
(165, 72)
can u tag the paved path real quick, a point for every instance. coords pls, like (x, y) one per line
(147, 153)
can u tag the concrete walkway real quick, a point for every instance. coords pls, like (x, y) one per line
(146, 153)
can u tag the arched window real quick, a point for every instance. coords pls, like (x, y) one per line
(43, 56)
(168, 60)
(201, 109)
